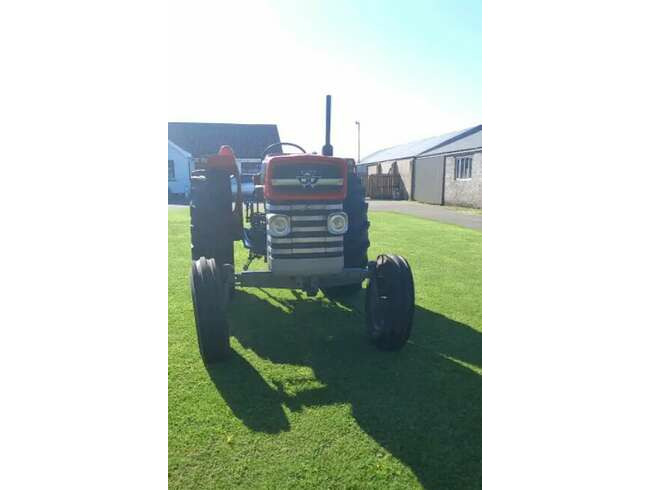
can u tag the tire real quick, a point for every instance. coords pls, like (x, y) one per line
(208, 298)
(390, 303)
(355, 241)
(211, 216)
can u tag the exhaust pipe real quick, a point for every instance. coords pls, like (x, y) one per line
(328, 149)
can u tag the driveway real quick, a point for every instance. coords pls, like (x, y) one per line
(430, 211)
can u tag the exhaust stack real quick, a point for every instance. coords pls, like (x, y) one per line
(328, 149)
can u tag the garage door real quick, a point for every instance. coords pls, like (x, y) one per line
(428, 179)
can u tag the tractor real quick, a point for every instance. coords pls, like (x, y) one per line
(307, 218)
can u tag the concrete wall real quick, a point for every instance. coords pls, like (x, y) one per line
(372, 169)
(181, 182)
(405, 167)
(464, 192)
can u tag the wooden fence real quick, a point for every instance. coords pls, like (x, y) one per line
(382, 186)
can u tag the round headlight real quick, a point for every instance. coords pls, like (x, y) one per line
(337, 223)
(278, 225)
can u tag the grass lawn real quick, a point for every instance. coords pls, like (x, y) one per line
(306, 402)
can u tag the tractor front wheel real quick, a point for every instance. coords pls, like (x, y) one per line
(209, 296)
(390, 302)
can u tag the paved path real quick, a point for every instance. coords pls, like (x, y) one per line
(427, 211)
(430, 211)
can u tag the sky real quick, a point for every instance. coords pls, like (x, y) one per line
(405, 70)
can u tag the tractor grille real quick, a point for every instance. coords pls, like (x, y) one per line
(311, 178)
(309, 238)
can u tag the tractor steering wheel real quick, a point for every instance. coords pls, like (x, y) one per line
(268, 148)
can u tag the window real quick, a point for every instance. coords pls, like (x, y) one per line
(170, 170)
(251, 168)
(463, 168)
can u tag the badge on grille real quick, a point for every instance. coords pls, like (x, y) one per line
(307, 178)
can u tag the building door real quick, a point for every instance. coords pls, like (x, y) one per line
(429, 179)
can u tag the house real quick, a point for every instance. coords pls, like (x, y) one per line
(188, 141)
(179, 168)
(445, 169)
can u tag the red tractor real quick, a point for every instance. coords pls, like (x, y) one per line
(308, 219)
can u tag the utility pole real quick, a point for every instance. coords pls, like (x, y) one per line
(358, 141)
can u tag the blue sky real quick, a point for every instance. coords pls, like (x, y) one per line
(406, 70)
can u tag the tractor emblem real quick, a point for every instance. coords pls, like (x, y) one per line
(307, 179)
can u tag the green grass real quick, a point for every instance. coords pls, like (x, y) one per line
(306, 402)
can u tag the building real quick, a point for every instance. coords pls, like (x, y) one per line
(445, 169)
(188, 141)
(179, 167)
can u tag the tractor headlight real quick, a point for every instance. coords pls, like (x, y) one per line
(337, 223)
(278, 224)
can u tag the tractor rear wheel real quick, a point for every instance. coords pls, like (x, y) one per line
(390, 303)
(211, 216)
(355, 241)
(209, 299)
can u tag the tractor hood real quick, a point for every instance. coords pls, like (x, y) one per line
(303, 177)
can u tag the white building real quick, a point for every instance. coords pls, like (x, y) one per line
(179, 168)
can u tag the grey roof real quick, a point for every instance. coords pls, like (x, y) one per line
(246, 140)
(468, 142)
(415, 148)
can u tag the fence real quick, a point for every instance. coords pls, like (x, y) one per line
(382, 186)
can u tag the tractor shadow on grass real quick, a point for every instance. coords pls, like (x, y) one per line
(248, 395)
(422, 404)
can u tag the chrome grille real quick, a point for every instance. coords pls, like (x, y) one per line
(309, 237)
